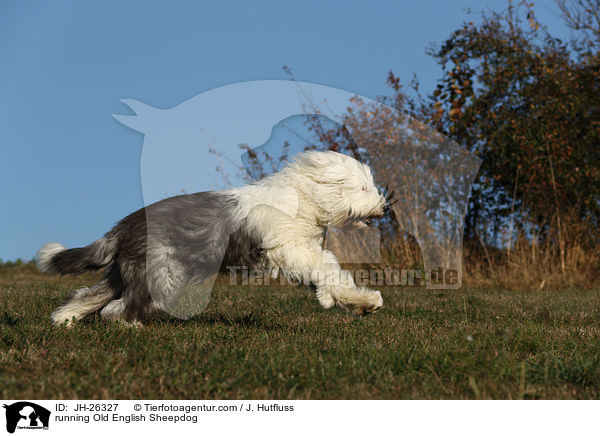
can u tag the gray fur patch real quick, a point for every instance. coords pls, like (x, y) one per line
(156, 255)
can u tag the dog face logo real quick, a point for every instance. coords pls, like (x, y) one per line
(26, 415)
(195, 147)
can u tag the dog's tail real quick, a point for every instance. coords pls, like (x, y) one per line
(54, 258)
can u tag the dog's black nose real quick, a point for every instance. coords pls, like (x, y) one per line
(386, 208)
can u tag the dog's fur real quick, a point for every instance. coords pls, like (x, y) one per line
(280, 221)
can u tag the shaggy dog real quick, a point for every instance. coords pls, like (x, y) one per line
(278, 222)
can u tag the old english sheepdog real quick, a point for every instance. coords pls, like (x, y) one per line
(278, 222)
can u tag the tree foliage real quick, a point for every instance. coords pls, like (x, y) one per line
(529, 105)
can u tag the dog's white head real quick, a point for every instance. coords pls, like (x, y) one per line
(342, 187)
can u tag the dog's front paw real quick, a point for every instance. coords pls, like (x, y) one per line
(376, 302)
(371, 304)
(326, 300)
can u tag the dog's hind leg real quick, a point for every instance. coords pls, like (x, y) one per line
(115, 311)
(84, 302)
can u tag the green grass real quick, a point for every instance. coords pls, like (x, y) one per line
(278, 343)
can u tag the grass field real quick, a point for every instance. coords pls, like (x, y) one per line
(278, 343)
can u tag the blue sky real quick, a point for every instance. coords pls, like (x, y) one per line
(69, 170)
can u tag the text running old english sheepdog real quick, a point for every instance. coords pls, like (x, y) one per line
(278, 222)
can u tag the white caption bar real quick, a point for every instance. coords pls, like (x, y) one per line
(267, 417)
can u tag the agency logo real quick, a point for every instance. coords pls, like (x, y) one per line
(26, 415)
(244, 132)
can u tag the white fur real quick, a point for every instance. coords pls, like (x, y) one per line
(290, 210)
(82, 302)
(45, 255)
